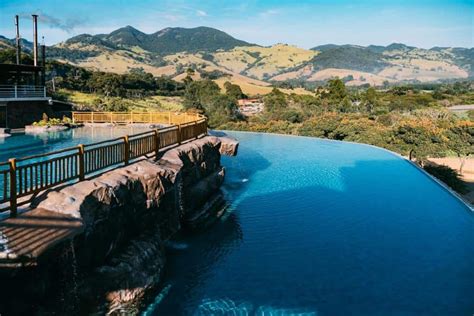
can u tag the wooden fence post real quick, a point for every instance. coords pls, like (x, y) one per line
(157, 143)
(196, 129)
(13, 202)
(81, 162)
(179, 134)
(127, 149)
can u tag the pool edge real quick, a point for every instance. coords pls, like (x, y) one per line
(436, 180)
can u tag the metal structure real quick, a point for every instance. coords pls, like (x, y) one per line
(22, 92)
(35, 39)
(18, 44)
(22, 179)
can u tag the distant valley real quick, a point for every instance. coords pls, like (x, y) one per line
(217, 55)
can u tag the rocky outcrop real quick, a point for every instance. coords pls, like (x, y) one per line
(229, 146)
(127, 213)
(128, 276)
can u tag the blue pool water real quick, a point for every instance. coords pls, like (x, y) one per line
(319, 227)
(21, 145)
(314, 227)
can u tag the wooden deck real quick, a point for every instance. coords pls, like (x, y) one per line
(30, 234)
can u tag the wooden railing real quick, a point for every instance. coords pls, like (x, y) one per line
(169, 118)
(22, 179)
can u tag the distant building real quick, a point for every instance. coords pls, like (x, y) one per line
(250, 106)
(249, 102)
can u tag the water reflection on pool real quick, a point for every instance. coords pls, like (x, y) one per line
(21, 145)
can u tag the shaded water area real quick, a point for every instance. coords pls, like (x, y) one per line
(320, 227)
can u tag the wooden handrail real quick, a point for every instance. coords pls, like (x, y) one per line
(26, 177)
(136, 117)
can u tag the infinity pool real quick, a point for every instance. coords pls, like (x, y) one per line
(320, 227)
(314, 227)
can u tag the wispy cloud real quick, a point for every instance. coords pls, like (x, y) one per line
(201, 13)
(173, 17)
(67, 25)
(269, 13)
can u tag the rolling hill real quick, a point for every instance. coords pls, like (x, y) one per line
(164, 42)
(210, 51)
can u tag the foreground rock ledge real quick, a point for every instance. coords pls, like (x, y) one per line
(119, 222)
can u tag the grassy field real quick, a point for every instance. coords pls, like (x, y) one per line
(153, 103)
(259, 61)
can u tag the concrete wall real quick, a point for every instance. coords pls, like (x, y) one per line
(22, 113)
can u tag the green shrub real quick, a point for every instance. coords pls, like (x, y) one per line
(46, 121)
(470, 115)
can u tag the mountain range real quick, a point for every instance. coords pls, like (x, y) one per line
(172, 50)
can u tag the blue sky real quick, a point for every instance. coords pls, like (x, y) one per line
(303, 23)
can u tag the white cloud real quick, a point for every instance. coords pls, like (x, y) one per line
(269, 13)
(201, 13)
(173, 17)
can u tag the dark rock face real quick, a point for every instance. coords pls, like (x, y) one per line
(128, 212)
(130, 274)
(22, 113)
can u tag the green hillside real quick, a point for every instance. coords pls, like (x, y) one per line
(164, 42)
(174, 40)
(349, 57)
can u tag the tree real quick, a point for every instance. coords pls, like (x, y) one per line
(275, 101)
(234, 91)
(8, 56)
(198, 93)
(370, 99)
(337, 89)
(461, 139)
(205, 95)
(470, 115)
(221, 109)
(345, 105)
(419, 137)
(189, 76)
(190, 72)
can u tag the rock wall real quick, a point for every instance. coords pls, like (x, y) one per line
(22, 113)
(128, 212)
